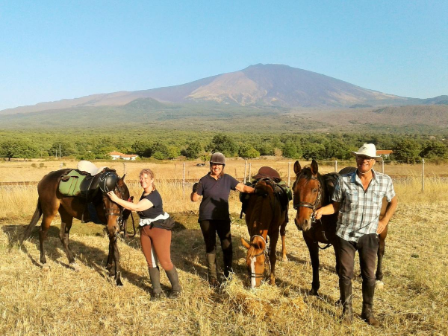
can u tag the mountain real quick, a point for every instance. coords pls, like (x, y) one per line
(262, 85)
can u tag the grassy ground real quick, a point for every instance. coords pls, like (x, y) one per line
(59, 300)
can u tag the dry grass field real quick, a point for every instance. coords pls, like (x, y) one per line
(59, 300)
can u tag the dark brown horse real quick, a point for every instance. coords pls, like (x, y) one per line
(51, 201)
(312, 191)
(265, 217)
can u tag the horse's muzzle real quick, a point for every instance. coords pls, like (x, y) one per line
(303, 225)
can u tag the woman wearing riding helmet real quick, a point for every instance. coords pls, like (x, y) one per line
(214, 216)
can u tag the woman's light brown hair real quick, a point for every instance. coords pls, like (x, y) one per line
(148, 172)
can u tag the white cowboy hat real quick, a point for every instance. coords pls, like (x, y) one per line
(89, 167)
(367, 150)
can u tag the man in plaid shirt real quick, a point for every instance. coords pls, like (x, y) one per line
(358, 198)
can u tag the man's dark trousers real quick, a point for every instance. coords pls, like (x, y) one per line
(367, 247)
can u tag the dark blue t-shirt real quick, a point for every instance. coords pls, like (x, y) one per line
(157, 205)
(215, 197)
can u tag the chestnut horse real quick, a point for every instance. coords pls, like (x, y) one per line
(311, 191)
(265, 216)
(51, 201)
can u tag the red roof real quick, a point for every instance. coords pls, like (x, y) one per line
(384, 151)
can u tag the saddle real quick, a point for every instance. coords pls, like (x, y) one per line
(281, 190)
(77, 183)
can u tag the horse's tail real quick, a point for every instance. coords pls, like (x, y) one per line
(34, 220)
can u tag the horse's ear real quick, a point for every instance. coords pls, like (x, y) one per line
(245, 243)
(314, 167)
(297, 168)
(123, 177)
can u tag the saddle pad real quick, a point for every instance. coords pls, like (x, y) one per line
(70, 183)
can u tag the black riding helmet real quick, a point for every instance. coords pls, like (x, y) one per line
(218, 158)
(108, 181)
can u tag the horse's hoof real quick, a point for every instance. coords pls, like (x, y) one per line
(75, 267)
(313, 292)
(379, 284)
(285, 259)
(45, 267)
(118, 279)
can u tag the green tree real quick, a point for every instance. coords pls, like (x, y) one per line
(248, 152)
(314, 151)
(407, 150)
(290, 150)
(63, 148)
(142, 148)
(193, 150)
(18, 149)
(172, 152)
(224, 144)
(434, 150)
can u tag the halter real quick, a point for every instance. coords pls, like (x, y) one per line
(253, 274)
(112, 212)
(312, 206)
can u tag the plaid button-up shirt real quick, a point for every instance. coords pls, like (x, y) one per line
(360, 210)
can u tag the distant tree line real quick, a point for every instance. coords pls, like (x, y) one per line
(193, 145)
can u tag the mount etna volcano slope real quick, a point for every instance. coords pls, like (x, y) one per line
(267, 85)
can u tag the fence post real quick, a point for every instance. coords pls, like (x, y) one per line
(250, 170)
(382, 165)
(245, 171)
(423, 175)
(183, 181)
(335, 166)
(289, 174)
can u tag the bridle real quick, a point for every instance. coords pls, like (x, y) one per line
(312, 206)
(254, 275)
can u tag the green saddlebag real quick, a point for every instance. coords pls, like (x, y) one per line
(70, 184)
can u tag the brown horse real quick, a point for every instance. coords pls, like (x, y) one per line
(51, 201)
(264, 217)
(312, 191)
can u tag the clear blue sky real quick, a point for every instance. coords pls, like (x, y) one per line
(52, 50)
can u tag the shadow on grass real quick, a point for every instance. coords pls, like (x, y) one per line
(187, 251)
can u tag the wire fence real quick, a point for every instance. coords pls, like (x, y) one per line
(189, 173)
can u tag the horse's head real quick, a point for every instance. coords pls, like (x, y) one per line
(110, 181)
(307, 191)
(255, 259)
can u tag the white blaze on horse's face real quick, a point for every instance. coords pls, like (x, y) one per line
(252, 269)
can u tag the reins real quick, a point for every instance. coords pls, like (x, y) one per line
(312, 206)
(265, 251)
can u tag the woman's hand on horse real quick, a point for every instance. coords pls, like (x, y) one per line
(112, 196)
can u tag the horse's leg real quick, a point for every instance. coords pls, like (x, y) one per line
(110, 260)
(381, 250)
(66, 225)
(46, 222)
(313, 248)
(283, 235)
(273, 256)
(113, 244)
